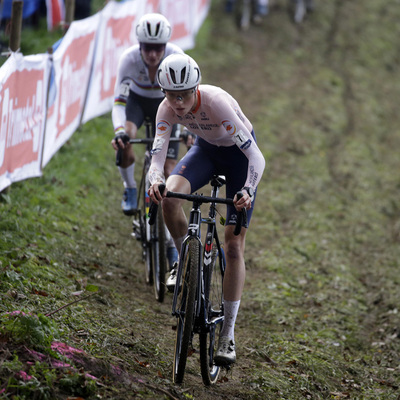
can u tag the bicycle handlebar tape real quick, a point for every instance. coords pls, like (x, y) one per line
(125, 138)
(239, 219)
(154, 207)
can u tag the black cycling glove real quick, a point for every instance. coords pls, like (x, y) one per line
(123, 136)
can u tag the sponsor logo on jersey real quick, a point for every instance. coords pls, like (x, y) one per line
(246, 145)
(203, 116)
(229, 126)
(157, 145)
(163, 127)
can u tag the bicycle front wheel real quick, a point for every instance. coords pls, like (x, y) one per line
(213, 278)
(159, 257)
(185, 307)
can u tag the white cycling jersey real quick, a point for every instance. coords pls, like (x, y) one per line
(133, 74)
(219, 120)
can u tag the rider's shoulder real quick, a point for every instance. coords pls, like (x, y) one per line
(211, 90)
(172, 48)
(131, 52)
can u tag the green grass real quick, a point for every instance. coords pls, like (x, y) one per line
(319, 318)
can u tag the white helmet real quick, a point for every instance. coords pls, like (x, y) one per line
(178, 72)
(153, 28)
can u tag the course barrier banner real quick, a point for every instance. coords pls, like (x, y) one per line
(201, 11)
(72, 64)
(116, 32)
(181, 15)
(23, 89)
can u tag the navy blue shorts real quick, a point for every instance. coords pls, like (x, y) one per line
(204, 160)
(138, 108)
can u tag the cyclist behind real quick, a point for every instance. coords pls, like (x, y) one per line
(225, 145)
(137, 96)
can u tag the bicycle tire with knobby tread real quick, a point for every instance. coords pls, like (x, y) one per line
(186, 308)
(214, 304)
(147, 246)
(159, 257)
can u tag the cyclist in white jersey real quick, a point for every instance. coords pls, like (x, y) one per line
(225, 145)
(137, 96)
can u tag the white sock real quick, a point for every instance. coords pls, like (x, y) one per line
(231, 309)
(128, 176)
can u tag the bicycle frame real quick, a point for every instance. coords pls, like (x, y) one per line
(194, 233)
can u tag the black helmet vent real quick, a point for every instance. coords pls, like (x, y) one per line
(158, 27)
(172, 73)
(183, 74)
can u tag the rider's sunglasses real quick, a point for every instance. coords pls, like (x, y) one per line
(148, 47)
(179, 96)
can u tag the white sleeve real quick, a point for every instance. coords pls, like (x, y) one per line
(160, 145)
(240, 133)
(121, 93)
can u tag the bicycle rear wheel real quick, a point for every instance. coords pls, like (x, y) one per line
(213, 279)
(185, 307)
(159, 256)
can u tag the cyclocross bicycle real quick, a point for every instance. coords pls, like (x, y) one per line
(152, 237)
(198, 299)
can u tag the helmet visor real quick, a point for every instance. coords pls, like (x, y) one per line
(148, 47)
(179, 95)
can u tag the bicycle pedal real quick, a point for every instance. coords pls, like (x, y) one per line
(137, 236)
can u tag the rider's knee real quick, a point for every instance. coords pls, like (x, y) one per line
(234, 245)
(170, 205)
(233, 251)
